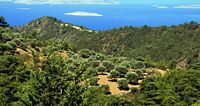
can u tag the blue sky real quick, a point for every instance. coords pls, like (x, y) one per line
(103, 2)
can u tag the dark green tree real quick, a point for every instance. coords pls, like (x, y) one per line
(114, 75)
(3, 22)
(123, 84)
(122, 70)
(132, 77)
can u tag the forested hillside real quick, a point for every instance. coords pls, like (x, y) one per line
(42, 67)
(176, 46)
(172, 45)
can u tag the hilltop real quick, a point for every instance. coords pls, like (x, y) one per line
(172, 46)
(49, 27)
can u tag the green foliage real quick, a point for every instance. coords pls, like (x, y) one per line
(195, 66)
(95, 64)
(108, 65)
(105, 89)
(93, 81)
(8, 64)
(5, 47)
(3, 22)
(126, 64)
(99, 56)
(122, 70)
(85, 53)
(94, 96)
(114, 74)
(11, 43)
(90, 72)
(123, 84)
(17, 41)
(72, 81)
(134, 90)
(196, 104)
(138, 65)
(139, 73)
(176, 88)
(101, 69)
(176, 42)
(132, 77)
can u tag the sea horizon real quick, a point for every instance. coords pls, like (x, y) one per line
(108, 16)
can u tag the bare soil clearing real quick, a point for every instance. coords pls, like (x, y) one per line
(104, 80)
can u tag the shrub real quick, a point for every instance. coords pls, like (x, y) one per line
(196, 104)
(123, 84)
(69, 60)
(108, 65)
(132, 77)
(126, 64)
(100, 56)
(17, 41)
(90, 73)
(140, 73)
(95, 64)
(84, 66)
(6, 37)
(122, 70)
(134, 90)
(5, 47)
(71, 68)
(11, 43)
(93, 81)
(138, 65)
(3, 22)
(101, 69)
(113, 75)
(115, 60)
(105, 89)
(85, 53)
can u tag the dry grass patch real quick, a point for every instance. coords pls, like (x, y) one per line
(26, 54)
(63, 54)
(155, 72)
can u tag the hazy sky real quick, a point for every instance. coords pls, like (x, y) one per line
(104, 2)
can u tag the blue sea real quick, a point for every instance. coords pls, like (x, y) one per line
(114, 16)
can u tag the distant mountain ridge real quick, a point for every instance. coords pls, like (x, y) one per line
(176, 45)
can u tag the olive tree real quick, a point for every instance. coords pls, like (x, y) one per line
(132, 77)
(105, 89)
(113, 75)
(138, 65)
(108, 65)
(101, 69)
(85, 53)
(140, 73)
(123, 83)
(122, 70)
(93, 81)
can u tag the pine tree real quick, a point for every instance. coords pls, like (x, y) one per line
(3, 22)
